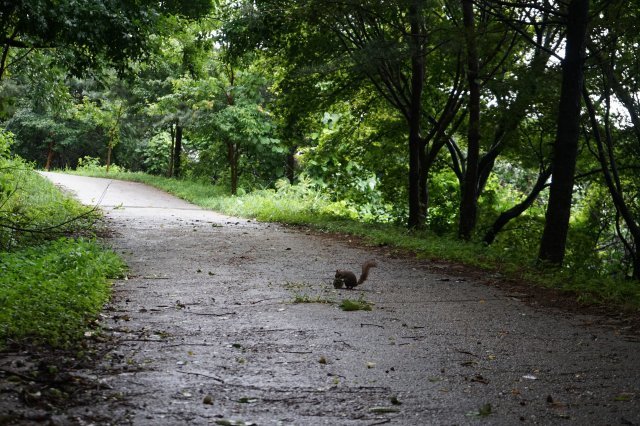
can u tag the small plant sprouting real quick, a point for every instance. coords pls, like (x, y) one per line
(355, 305)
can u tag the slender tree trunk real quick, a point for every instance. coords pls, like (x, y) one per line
(109, 149)
(565, 148)
(172, 150)
(50, 154)
(232, 157)
(177, 152)
(290, 170)
(424, 182)
(469, 199)
(416, 220)
(608, 165)
(3, 59)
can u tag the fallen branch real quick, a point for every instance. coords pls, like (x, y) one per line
(371, 325)
(201, 374)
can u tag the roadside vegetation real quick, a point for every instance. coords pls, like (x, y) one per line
(54, 275)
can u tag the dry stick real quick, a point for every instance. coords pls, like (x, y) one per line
(213, 315)
(381, 422)
(20, 375)
(372, 325)
(201, 374)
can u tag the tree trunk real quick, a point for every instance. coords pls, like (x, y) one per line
(50, 153)
(171, 150)
(177, 152)
(565, 148)
(469, 199)
(232, 157)
(109, 149)
(636, 262)
(424, 182)
(416, 220)
(290, 168)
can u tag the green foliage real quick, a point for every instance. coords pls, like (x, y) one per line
(32, 208)
(156, 154)
(37, 133)
(46, 119)
(89, 33)
(6, 140)
(49, 293)
(91, 166)
(50, 286)
(306, 298)
(358, 165)
(444, 202)
(355, 305)
(106, 114)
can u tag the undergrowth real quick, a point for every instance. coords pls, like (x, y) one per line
(50, 292)
(53, 273)
(302, 205)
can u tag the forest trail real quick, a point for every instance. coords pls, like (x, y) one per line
(209, 328)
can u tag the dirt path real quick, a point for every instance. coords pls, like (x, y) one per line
(208, 332)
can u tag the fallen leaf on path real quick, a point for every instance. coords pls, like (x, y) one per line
(624, 396)
(483, 411)
(480, 379)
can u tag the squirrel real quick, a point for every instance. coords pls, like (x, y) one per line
(348, 278)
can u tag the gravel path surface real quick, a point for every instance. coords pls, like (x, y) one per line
(210, 328)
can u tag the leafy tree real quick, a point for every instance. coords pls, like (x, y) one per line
(106, 115)
(231, 117)
(615, 137)
(87, 32)
(384, 45)
(43, 119)
(503, 73)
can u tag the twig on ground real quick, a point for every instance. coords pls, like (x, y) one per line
(201, 374)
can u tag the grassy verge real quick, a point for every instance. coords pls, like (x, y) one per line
(300, 206)
(54, 275)
(50, 292)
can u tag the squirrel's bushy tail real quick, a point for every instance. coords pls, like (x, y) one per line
(365, 270)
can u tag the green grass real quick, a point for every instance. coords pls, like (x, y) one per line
(305, 298)
(50, 292)
(54, 275)
(302, 206)
(33, 209)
